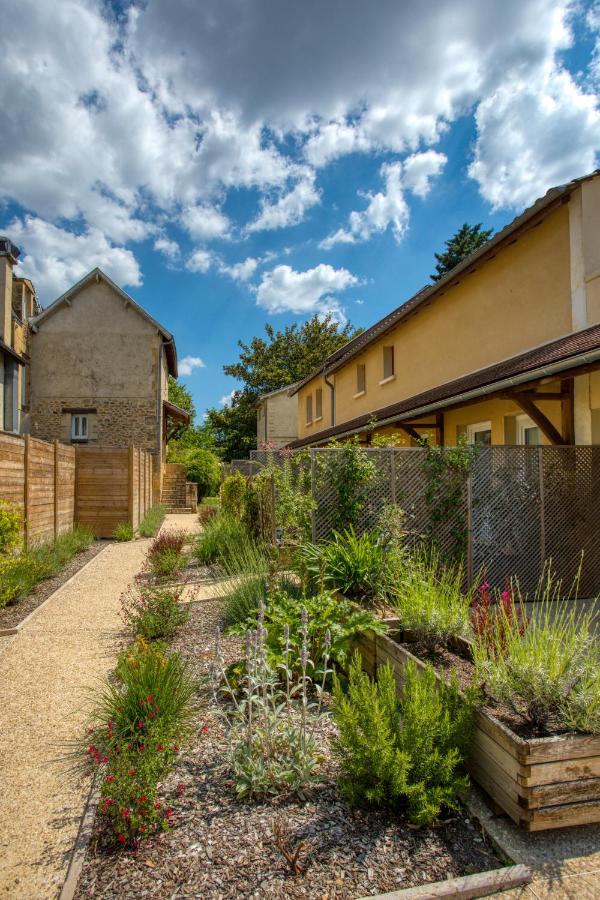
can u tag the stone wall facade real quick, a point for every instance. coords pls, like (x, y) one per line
(116, 422)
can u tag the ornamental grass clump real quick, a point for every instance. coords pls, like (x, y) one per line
(140, 717)
(429, 600)
(153, 612)
(272, 718)
(152, 521)
(123, 531)
(349, 563)
(406, 752)
(219, 538)
(549, 672)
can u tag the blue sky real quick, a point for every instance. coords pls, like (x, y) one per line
(235, 163)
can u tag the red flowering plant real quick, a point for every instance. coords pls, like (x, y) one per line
(141, 718)
(494, 613)
(165, 555)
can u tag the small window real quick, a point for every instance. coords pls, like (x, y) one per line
(361, 379)
(79, 427)
(388, 362)
(480, 434)
(319, 403)
(309, 417)
(528, 432)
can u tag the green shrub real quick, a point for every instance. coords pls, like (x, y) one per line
(405, 752)
(123, 532)
(153, 612)
(233, 496)
(286, 613)
(166, 563)
(10, 527)
(429, 600)
(152, 521)
(350, 472)
(548, 672)
(350, 564)
(219, 538)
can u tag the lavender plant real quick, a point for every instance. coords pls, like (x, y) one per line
(272, 716)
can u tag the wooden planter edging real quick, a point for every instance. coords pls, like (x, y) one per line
(542, 783)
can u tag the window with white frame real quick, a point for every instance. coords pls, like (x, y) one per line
(361, 378)
(480, 433)
(79, 427)
(528, 432)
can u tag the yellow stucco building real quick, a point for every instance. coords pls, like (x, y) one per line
(504, 349)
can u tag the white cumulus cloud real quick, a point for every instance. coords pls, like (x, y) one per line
(240, 271)
(200, 261)
(304, 293)
(187, 365)
(289, 208)
(204, 223)
(56, 258)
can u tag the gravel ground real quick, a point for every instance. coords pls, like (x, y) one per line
(10, 616)
(223, 848)
(45, 672)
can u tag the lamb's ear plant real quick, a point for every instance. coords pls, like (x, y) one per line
(429, 599)
(548, 672)
(271, 719)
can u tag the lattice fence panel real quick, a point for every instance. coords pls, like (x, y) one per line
(506, 525)
(571, 514)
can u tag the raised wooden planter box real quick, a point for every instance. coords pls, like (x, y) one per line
(541, 783)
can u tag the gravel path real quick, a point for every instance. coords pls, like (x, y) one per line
(45, 672)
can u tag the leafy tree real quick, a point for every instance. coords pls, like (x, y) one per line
(467, 239)
(181, 397)
(269, 364)
(234, 426)
(289, 355)
(192, 436)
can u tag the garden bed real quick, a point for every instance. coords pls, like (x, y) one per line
(541, 782)
(14, 614)
(224, 847)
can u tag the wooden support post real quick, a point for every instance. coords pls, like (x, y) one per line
(56, 484)
(567, 410)
(439, 425)
(411, 432)
(541, 420)
(392, 475)
(130, 485)
(540, 455)
(313, 491)
(469, 531)
(26, 529)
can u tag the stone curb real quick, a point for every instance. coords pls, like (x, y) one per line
(6, 632)
(79, 850)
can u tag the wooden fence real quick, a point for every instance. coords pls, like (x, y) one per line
(55, 486)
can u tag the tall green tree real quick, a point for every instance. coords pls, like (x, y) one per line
(467, 239)
(267, 364)
(193, 435)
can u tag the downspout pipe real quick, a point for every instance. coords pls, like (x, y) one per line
(331, 386)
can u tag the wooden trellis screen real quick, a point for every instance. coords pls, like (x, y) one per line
(523, 507)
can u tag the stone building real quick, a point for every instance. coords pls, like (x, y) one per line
(100, 366)
(276, 418)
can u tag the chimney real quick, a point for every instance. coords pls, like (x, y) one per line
(8, 258)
